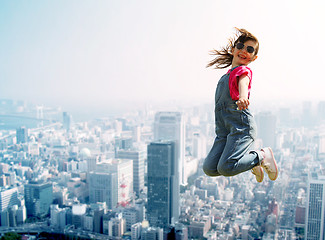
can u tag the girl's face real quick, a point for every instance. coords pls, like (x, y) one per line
(243, 54)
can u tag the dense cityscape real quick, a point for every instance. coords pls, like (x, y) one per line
(138, 175)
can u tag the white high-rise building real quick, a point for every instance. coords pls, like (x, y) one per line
(315, 209)
(199, 146)
(136, 231)
(92, 162)
(138, 158)
(103, 188)
(8, 198)
(123, 168)
(116, 226)
(21, 214)
(54, 215)
(171, 126)
(321, 143)
(267, 125)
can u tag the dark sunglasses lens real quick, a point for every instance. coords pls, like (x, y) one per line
(250, 49)
(240, 46)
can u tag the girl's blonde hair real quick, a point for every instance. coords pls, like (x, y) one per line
(224, 57)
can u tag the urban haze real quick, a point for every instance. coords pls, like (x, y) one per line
(106, 115)
(138, 175)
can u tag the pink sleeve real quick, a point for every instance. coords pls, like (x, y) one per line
(233, 80)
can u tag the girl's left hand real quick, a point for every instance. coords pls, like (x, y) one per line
(242, 103)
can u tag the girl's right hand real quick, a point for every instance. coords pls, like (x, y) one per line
(242, 103)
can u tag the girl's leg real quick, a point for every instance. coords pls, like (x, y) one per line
(235, 158)
(211, 162)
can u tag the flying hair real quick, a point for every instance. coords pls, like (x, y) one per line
(223, 58)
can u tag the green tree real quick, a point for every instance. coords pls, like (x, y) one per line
(11, 236)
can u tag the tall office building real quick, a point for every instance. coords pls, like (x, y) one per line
(98, 209)
(315, 209)
(171, 126)
(92, 162)
(8, 198)
(136, 134)
(40, 115)
(138, 158)
(199, 146)
(103, 188)
(67, 121)
(163, 184)
(266, 124)
(321, 111)
(57, 216)
(22, 135)
(78, 213)
(307, 118)
(124, 170)
(38, 198)
(116, 226)
(321, 143)
(131, 216)
(136, 231)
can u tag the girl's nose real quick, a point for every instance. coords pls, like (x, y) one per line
(244, 50)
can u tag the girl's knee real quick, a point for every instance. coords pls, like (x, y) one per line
(206, 170)
(225, 170)
(209, 171)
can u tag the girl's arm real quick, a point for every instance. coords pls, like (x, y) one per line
(243, 83)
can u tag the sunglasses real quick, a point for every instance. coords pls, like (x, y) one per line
(249, 49)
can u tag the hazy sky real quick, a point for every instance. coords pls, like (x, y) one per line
(99, 53)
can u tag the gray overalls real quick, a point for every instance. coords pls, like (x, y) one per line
(236, 131)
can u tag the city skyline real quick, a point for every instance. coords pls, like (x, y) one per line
(65, 155)
(108, 54)
(107, 113)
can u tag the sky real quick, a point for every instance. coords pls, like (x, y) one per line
(86, 54)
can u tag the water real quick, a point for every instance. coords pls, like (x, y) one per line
(12, 123)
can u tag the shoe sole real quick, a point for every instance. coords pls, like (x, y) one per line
(276, 167)
(261, 174)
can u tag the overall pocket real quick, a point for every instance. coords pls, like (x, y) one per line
(249, 123)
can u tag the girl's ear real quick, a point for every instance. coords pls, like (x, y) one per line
(254, 58)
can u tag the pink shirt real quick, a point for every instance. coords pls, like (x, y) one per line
(233, 80)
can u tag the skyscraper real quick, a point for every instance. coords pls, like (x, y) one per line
(266, 123)
(8, 198)
(171, 126)
(315, 209)
(67, 121)
(307, 117)
(124, 170)
(22, 135)
(321, 111)
(38, 197)
(163, 184)
(138, 158)
(103, 188)
(199, 146)
(116, 226)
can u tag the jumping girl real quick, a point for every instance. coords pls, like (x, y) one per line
(235, 125)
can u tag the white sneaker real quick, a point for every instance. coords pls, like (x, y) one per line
(258, 172)
(269, 164)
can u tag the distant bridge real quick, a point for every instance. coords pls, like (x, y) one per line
(27, 117)
(33, 130)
